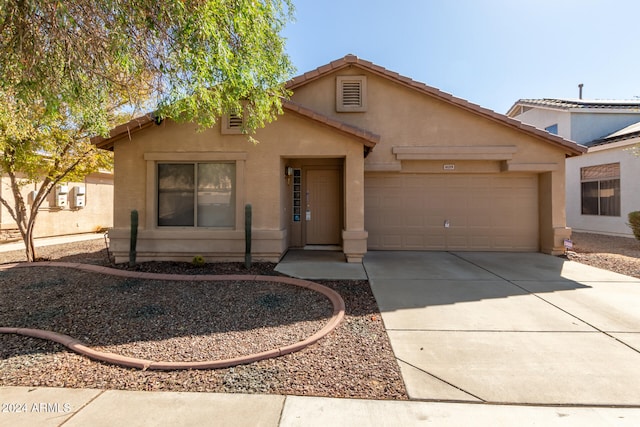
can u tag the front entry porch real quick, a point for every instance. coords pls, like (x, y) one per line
(320, 264)
(320, 201)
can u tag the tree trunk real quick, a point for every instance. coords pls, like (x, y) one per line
(26, 231)
(30, 248)
(26, 220)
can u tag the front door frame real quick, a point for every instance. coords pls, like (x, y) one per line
(297, 230)
(313, 213)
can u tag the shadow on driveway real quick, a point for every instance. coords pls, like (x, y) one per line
(509, 327)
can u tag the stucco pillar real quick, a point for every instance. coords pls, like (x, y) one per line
(354, 236)
(553, 225)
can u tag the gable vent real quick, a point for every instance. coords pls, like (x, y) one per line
(351, 94)
(235, 121)
(231, 124)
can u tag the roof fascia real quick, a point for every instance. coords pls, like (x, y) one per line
(125, 130)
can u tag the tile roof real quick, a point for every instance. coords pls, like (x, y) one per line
(126, 129)
(351, 60)
(369, 139)
(634, 128)
(631, 131)
(567, 104)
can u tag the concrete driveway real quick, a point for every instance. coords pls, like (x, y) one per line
(509, 327)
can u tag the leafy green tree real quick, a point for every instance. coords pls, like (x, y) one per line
(70, 69)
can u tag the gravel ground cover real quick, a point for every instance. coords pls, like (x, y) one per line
(614, 253)
(172, 320)
(355, 360)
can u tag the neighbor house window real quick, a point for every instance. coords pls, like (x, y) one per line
(601, 189)
(196, 194)
(552, 129)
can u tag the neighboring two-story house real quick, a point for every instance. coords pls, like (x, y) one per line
(362, 159)
(602, 185)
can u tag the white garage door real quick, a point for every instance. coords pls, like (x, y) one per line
(494, 212)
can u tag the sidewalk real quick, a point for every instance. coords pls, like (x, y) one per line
(52, 407)
(49, 241)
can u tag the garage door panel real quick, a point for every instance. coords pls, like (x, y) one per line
(485, 212)
(414, 221)
(392, 241)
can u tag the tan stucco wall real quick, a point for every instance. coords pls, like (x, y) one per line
(404, 117)
(97, 214)
(401, 116)
(262, 183)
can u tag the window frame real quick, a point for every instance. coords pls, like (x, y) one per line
(152, 190)
(600, 178)
(552, 129)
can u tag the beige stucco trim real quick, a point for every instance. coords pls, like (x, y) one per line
(383, 167)
(182, 244)
(483, 152)
(508, 166)
(196, 156)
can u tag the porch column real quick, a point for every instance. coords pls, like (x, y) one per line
(553, 222)
(354, 236)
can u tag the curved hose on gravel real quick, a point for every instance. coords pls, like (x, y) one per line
(131, 362)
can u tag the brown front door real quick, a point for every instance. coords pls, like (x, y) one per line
(322, 210)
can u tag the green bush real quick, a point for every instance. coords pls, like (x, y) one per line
(634, 223)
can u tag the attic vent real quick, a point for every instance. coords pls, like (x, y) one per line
(351, 93)
(232, 124)
(235, 121)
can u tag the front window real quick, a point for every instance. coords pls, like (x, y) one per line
(601, 190)
(196, 194)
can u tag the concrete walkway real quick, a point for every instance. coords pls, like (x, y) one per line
(509, 328)
(318, 264)
(49, 241)
(51, 407)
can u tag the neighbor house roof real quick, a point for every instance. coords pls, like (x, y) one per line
(351, 60)
(629, 132)
(577, 104)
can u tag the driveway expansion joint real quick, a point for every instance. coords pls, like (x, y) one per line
(143, 364)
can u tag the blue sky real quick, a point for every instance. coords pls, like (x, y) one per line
(490, 52)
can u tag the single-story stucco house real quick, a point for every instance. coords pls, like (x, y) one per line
(362, 159)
